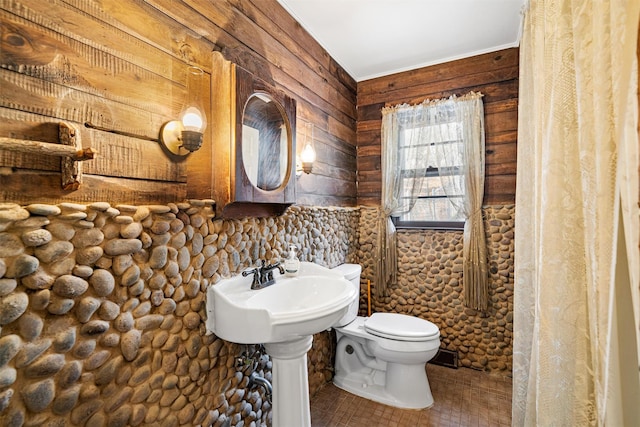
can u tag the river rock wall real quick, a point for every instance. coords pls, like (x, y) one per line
(102, 311)
(430, 286)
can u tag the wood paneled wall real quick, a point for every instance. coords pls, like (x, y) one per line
(494, 74)
(120, 65)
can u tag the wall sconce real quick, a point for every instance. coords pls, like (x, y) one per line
(308, 154)
(184, 136)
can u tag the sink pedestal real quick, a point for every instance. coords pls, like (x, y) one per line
(290, 382)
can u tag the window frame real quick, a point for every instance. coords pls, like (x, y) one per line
(430, 172)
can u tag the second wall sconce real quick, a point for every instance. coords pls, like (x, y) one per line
(184, 136)
(308, 154)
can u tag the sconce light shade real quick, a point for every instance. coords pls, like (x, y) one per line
(308, 156)
(184, 136)
(194, 123)
(193, 119)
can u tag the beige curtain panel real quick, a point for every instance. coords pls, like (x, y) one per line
(465, 114)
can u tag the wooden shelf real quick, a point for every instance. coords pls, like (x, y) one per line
(69, 149)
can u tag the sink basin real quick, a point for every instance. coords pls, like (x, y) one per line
(290, 309)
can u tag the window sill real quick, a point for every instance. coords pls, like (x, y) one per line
(431, 226)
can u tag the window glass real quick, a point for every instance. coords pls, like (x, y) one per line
(421, 149)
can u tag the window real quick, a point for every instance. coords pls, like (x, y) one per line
(427, 156)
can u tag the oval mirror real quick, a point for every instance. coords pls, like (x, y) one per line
(265, 142)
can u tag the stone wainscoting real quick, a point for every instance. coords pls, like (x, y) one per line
(430, 286)
(102, 307)
(102, 310)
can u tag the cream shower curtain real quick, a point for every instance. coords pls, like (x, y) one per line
(577, 188)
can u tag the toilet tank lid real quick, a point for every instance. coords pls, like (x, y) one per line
(349, 271)
(397, 325)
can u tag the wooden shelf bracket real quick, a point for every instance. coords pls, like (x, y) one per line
(69, 149)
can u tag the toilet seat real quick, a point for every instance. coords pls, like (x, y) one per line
(397, 326)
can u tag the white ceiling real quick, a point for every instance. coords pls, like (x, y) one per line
(373, 38)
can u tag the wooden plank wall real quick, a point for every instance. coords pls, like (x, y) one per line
(494, 74)
(120, 64)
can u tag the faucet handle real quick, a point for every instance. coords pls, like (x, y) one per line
(256, 276)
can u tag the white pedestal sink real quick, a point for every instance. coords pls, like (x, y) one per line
(283, 317)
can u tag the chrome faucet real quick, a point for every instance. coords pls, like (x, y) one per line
(263, 275)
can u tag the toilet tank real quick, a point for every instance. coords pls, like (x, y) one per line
(351, 272)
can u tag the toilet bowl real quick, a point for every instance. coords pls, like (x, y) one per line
(383, 357)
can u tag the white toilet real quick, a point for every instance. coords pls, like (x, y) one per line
(383, 357)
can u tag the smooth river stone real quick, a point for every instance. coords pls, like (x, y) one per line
(5, 399)
(36, 237)
(83, 271)
(124, 322)
(85, 238)
(184, 258)
(123, 220)
(9, 346)
(160, 239)
(7, 376)
(30, 352)
(121, 263)
(7, 286)
(150, 321)
(60, 306)
(10, 245)
(157, 281)
(94, 327)
(100, 206)
(22, 265)
(109, 310)
(64, 340)
(130, 343)
(130, 276)
(61, 230)
(191, 320)
(37, 396)
(102, 282)
(178, 240)
(12, 306)
(10, 211)
(86, 307)
(168, 306)
(210, 266)
(54, 251)
(142, 212)
(110, 340)
(66, 400)
(70, 286)
(81, 413)
(43, 209)
(160, 227)
(197, 243)
(122, 246)
(142, 310)
(30, 326)
(96, 360)
(40, 300)
(131, 231)
(84, 349)
(108, 371)
(46, 366)
(39, 279)
(88, 256)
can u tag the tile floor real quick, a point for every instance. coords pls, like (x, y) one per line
(463, 397)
